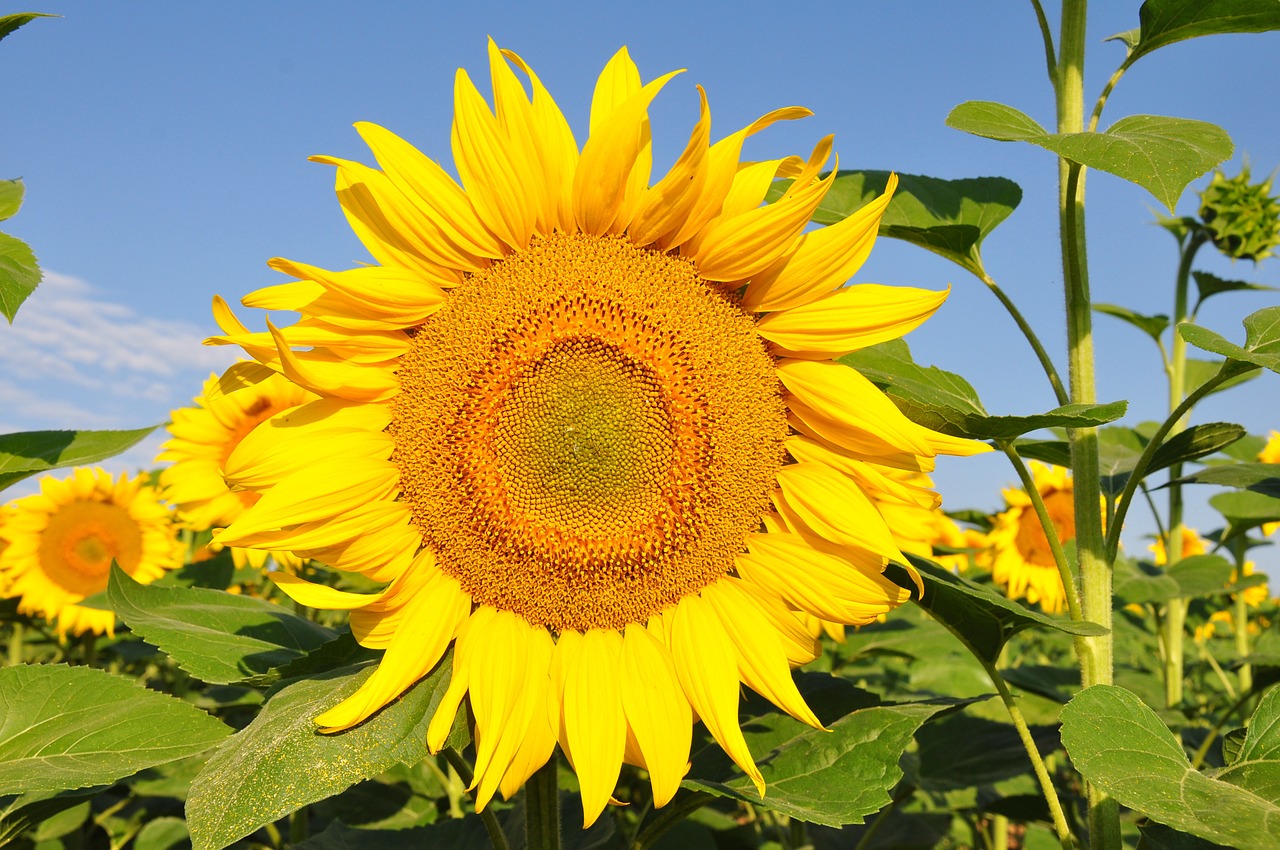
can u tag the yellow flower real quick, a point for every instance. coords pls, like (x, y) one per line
(554, 414)
(1019, 556)
(1270, 454)
(1192, 544)
(204, 436)
(61, 541)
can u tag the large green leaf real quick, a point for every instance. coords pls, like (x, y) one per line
(947, 402)
(963, 751)
(1160, 154)
(948, 217)
(831, 777)
(31, 452)
(983, 619)
(1245, 509)
(1152, 326)
(1262, 339)
(279, 762)
(1261, 478)
(1201, 575)
(214, 635)
(71, 727)
(1139, 583)
(19, 274)
(1164, 22)
(1195, 442)
(1122, 747)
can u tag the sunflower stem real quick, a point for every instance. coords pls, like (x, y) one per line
(674, 812)
(15, 643)
(1033, 752)
(542, 807)
(1095, 568)
(1240, 619)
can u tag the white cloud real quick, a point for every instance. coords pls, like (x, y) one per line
(74, 360)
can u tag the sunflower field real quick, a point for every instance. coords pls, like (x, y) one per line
(596, 511)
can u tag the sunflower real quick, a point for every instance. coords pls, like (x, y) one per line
(56, 547)
(1018, 552)
(204, 436)
(586, 427)
(1192, 544)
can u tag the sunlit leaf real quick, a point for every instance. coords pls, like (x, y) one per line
(31, 452)
(1262, 339)
(1195, 442)
(1245, 509)
(1152, 326)
(215, 636)
(1201, 575)
(71, 727)
(9, 23)
(1200, 371)
(1160, 154)
(11, 192)
(19, 274)
(279, 762)
(948, 217)
(1164, 22)
(1121, 746)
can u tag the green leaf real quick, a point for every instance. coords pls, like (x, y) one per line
(1261, 478)
(71, 727)
(1152, 326)
(948, 217)
(995, 121)
(1163, 22)
(1209, 285)
(832, 777)
(215, 636)
(1245, 509)
(1160, 154)
(20, 812)
(1262, 339)
(279, 762)
(9, 23)
(167, 833)
(1046, 680)
(1157, 836)
(1201, 575)
(947, 402)
(1057, 452)
(1232, 742)
(1195, 442)
(1200, 371)
(983, 619)
(11, 192)
(31, 452)
(1139, 583)
(19, 274)
(1121, 746)
(962, 751)
(465, 833)
(1256, 767)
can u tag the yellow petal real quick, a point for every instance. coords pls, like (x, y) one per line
(849, 319)
(762, 663)
(834, 508)
(325, 375)
(390, 293)
(556, 146)
(593, 718)
(706, 666)
(657, 712)
(463, 650)
(538, 741)
(498, 673)
(871, 477)
(822, 260)
(663, 208)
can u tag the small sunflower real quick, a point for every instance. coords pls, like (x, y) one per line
(588, 429)
(1192, 544)
(1019, 556)
(56, 547)
(1270, 454)
(204, 436)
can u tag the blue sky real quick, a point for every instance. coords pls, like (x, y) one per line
(164, 149)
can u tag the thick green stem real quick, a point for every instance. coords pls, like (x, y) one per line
(542, 808)
(1033, 752)
(1240, 619)
(15, 643)
(1095, 568)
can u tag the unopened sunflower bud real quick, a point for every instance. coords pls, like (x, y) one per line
(1242, 218)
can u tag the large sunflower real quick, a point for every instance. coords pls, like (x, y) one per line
(203, 437)
(1019, 556)
(61, 542)
(587, 428)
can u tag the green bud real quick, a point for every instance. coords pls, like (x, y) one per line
(1241, 218)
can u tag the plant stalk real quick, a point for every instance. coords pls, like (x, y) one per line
(542, 807)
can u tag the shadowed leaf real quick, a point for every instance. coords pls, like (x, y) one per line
(31, 452)
(1164, 22)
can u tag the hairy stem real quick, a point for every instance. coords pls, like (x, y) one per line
(496, 836)
(542, 808)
